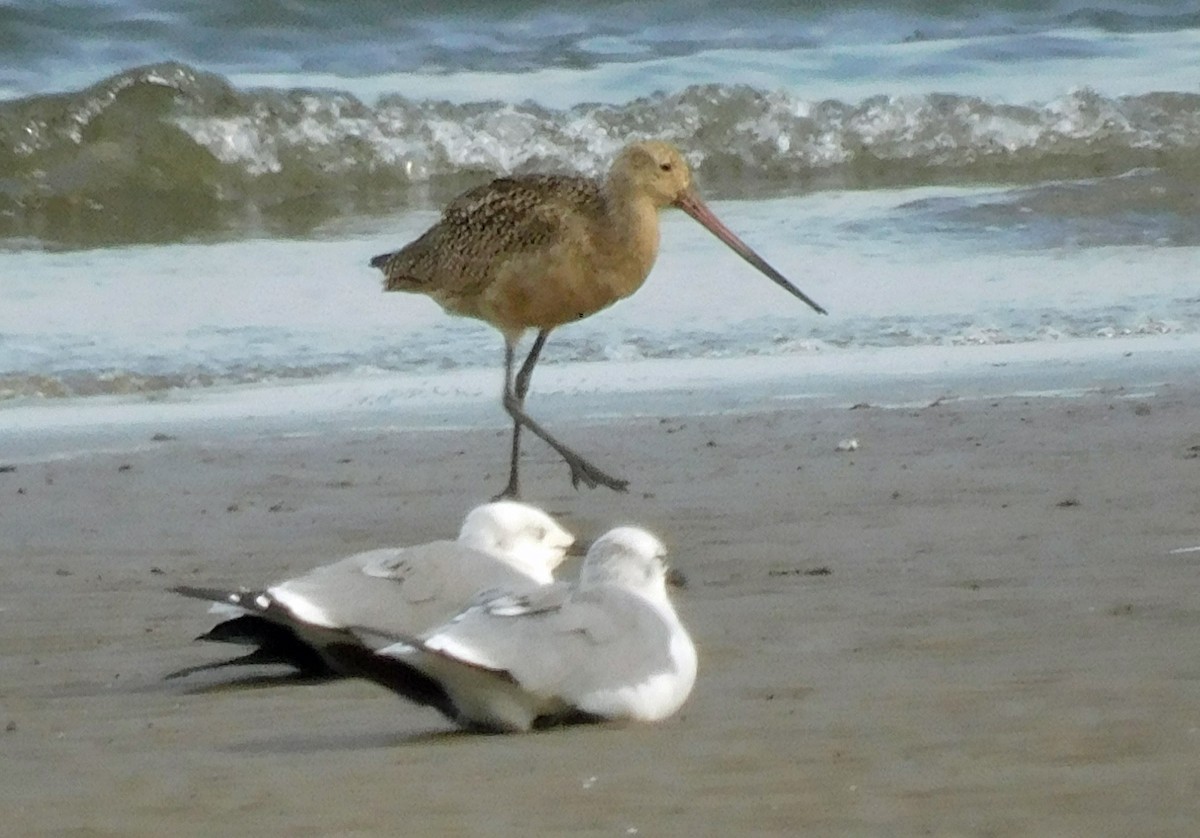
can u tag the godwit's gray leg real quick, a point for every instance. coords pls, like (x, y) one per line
(526, 371)
(513, 489)
(514, 402)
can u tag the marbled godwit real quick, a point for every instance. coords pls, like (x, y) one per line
(399, 589)
(538, 251)
(608, 648)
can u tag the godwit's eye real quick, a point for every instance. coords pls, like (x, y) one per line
(666, 167)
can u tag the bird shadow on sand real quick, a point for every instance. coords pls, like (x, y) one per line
(255, 682)
(360, 741)
(372, 740)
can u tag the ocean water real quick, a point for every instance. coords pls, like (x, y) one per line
(189, 193)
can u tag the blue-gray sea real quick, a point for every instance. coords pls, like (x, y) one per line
(190, 192)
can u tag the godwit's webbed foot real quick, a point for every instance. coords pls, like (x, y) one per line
(581, 470)
(584, 472)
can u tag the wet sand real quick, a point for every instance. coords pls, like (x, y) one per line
(983, 621)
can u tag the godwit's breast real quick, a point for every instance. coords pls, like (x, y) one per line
(560, 255)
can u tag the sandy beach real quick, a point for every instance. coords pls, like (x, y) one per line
(983, 621)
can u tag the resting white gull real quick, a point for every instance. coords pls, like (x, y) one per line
(610, 647)
(400, 590)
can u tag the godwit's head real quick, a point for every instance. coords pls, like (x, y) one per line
(658, 171)
(654, 169)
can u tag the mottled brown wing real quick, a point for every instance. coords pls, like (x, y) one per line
(460, 255)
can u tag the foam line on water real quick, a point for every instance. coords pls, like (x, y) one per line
(599, 392)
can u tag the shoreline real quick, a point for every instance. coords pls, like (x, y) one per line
(592, 392)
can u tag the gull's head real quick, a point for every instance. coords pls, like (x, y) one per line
(627, 556)
(519, 534)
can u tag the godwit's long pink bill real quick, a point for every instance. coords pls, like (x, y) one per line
(690, 203)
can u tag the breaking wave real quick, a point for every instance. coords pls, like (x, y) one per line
(167, 152)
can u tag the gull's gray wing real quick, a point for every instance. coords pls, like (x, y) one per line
(562, 643)
(398, 590)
